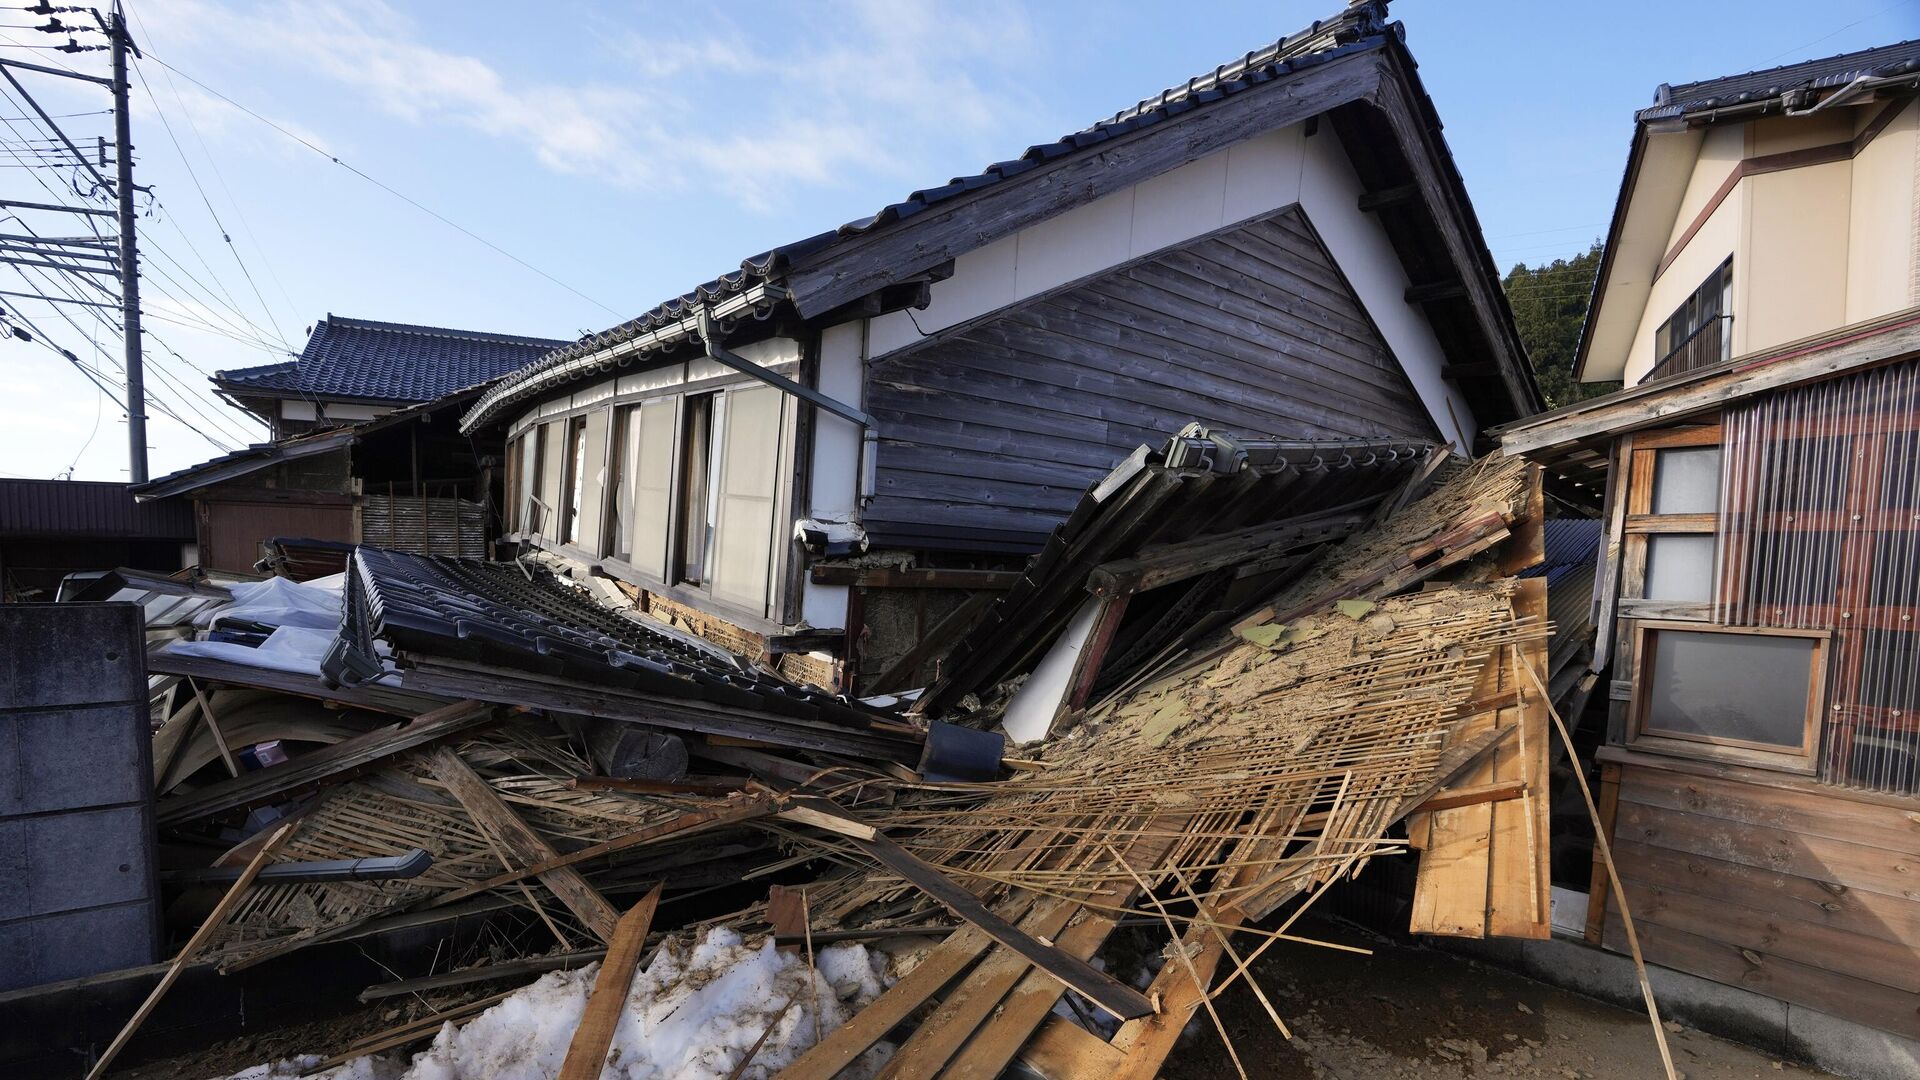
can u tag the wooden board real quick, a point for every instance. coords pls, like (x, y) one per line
(1519, 902)
(1775, 976)
(497, 819)
(587, 1052)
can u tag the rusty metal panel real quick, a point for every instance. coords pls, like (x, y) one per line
(235, 530)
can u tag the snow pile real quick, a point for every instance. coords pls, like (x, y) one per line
(691, 1015)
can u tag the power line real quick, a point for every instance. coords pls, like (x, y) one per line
(211, 212)
(436, 215)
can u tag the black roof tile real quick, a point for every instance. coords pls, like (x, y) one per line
(523, 617)
(1678, 99)
(399, 362)
(1360, 25)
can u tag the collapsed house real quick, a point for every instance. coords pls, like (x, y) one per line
(828, 452)
(1754, 671)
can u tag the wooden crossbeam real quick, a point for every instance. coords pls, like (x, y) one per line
(528, 847)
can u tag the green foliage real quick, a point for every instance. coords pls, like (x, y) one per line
(1549, 304)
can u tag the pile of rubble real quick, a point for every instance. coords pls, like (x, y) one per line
(1223, 687)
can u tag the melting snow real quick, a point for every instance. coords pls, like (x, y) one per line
(690, 1015)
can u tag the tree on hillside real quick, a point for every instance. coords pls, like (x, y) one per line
(1549, 305)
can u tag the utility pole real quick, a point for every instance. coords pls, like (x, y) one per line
(129, 256)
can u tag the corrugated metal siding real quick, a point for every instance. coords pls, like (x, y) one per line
(84, 508)
(426, 526)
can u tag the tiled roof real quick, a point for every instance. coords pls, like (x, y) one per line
(1359, 26)
(1828, 73)
(382, 361)
(507, 615)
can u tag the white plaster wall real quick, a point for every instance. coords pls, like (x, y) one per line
(1248, 180)
(1330, 194)
(336, 410)
(1881, 256)
(835, 480)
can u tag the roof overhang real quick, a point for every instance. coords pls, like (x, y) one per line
(1572, 432)
(1659, 165)
(822, 279)
(243, 462)
(544, 377)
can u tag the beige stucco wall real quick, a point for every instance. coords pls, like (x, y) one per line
(1719, 236)
(1881, 229)
(1814, 248)
(1796, 245)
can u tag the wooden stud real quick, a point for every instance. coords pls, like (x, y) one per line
(587, 1053)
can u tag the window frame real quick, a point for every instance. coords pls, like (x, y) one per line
(1666, 348)
(573, 479)
(1639, 736)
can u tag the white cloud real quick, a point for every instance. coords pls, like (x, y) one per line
(871, 87)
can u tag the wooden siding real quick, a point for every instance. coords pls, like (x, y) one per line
(1807, 895)
(993, 429)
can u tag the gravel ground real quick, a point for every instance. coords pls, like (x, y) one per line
(1415, 1012)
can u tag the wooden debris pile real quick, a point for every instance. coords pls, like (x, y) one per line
(1262, 750)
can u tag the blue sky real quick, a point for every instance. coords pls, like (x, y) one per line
(634, 150)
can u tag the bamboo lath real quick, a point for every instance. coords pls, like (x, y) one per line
(404, 807)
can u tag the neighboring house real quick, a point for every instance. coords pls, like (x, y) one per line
(408, 480)
(356, 454)
(1759, 586)
(52, 528)
(1281, 248)
(357, 369)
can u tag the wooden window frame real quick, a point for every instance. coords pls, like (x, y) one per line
(1640, 523)
(1804, 761)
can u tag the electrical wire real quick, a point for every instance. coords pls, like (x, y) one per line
(417, 205)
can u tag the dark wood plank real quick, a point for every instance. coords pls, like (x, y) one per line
(1825, 903)
(529, 848)
(1776, 976)
(1095, 985)
(328, 763)
(1888, 827)
(1815, 857)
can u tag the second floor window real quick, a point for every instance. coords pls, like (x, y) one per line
(1696, 335)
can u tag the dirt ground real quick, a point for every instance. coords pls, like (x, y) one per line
(1423, 1013)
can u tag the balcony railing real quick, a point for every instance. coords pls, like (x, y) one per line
(1704, 347)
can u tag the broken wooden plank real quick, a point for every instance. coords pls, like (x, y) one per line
(326, 763)
(587, 1053)
(901, 1000)
(495, 817)
(1498, 791)
(1165, 564)
(192, 948)
(1063, 1050)
(686, 824)
(1095, 985)
(894, 577)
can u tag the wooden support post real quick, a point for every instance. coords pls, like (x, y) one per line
(1095, 985)
(218, 916)
(1609, 810)
(494, 816)
(213, 726)
(587, 1053)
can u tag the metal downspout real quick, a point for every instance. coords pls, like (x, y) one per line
(869, 428)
